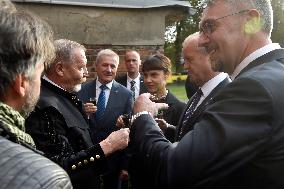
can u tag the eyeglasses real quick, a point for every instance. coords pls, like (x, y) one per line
(208, 26)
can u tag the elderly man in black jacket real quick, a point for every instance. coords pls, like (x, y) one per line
(238, 142)
(25, 45)
(63, 133)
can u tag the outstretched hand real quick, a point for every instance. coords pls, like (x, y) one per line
(117, 140)
(143, 103)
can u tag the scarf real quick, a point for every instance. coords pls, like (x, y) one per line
(14, 124)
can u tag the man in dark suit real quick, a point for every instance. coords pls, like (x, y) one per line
(132, 65)
(209, 81)
(62, 131)
(238, 142)
(117, 101)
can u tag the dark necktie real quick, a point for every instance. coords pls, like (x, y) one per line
(132, 88)
(101, 105)
(189, 112)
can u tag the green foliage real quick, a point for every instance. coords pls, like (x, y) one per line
(278, 21)
(181, 29)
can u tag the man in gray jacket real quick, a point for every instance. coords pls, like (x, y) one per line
(25, 45)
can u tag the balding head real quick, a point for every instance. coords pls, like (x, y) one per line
(197, 61)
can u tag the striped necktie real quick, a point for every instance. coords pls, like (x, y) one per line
(189, 112)
(101, 105)
(132, 88)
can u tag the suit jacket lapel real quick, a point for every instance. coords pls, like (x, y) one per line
(93, 90)
(200, 109)
(124, 81)
(209, 98)
(143, 88)
(183, 114)
(268, 57)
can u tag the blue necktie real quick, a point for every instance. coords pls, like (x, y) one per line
(132, 88)
(189, 112)
(101, 105)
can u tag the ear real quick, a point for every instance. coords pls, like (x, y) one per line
(254, 22)
(59, 68)
(20, 85)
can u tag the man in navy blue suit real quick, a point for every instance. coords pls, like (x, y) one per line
(117, 101)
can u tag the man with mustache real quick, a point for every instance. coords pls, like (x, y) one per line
(238, 142)
(62, 131)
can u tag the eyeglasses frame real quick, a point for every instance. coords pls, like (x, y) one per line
(222, 17)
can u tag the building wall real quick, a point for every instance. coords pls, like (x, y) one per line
(99, 28)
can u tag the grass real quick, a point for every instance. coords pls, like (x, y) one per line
(178, 89)
(176, 78)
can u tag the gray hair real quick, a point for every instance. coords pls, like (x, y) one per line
(107, 52)
(25, 42)
(263, 6)
(7, 5)
(64, 49)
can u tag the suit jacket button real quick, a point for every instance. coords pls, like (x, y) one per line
(92, 159)
(98, 156)
(79, 163)
(85, 161)
(73, 167)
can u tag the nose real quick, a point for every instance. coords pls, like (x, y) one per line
(109, 68)
(203, 39)
(85, 72)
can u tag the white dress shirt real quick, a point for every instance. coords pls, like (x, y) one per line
(136, 85)
(258, 53)
(210, 85)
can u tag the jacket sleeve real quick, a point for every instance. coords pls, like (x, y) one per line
(231, 132)
(57, 141)
(24, 168)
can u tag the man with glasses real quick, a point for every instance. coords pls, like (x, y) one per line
(238, 143)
